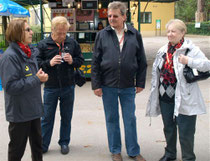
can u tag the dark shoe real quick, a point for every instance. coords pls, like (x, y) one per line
(64, 149)
(44, 151)
(138, 158)
(165, 158)
(117, 157)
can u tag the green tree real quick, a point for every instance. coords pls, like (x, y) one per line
(185, 10)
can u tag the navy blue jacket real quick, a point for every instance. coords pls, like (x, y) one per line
(60, 75)
(113, 68)
(22, 88)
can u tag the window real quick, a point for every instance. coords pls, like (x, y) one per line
(146, 17)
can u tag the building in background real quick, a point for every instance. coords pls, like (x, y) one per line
(154, 17)
(35, 19)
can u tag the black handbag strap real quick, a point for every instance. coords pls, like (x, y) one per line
(186, 52)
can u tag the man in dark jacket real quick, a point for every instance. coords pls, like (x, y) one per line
(118, 66)
(59, 55)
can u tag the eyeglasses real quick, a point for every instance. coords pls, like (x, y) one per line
(28, 29)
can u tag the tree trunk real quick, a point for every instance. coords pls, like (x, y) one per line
(200, 15)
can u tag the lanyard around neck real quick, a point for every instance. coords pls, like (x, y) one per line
(167, 57)
(122, 38)
(60, 48)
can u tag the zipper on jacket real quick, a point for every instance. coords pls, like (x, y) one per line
(119, 72)
(58, 76)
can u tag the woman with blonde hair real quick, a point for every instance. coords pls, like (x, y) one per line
(177, 101)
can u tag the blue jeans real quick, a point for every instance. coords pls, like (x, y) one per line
(126, 97)
(186, 127)
(51, 97)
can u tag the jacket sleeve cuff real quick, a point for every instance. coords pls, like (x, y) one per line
(141, 85)
(190, 62)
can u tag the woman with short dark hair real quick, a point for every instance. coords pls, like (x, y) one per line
(21, 81)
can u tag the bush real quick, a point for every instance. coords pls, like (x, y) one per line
(36, 28)
(3, 44)
(203, 30)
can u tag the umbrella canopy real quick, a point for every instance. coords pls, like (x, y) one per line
(8, 8)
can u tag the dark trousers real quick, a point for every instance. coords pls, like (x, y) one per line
(186, 128)
(19, 133)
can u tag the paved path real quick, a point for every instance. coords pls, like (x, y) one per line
(89, 140)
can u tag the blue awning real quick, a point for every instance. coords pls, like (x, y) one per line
(8, 8)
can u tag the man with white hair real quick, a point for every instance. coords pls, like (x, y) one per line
(118, 73)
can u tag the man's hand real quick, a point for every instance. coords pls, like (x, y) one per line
(98, 92)
(68, 58)
(55, 60)
(43, 77)
(139, 89)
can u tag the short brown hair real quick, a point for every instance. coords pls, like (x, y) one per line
(15, 30)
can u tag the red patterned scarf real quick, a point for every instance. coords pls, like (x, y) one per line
(167, 72)
(25, 49)
(170, 53)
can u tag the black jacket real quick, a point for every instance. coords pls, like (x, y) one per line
(113, 68)
(61, 75)
(22, 88)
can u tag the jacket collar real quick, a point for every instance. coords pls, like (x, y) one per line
(129, 28)
(51, 41)
(125, 28)
(17, 48)
(186, 45)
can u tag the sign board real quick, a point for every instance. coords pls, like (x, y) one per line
(89, 4)
(66, 2)
(158, 24)
(52, 4)
(197, 25)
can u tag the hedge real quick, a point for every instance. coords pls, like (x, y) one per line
(203, 30)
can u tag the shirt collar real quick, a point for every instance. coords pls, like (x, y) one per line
(125, 28)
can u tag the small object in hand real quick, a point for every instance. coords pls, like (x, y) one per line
(62, 56)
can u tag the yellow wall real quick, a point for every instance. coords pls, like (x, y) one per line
(46, 19)
(162, 11)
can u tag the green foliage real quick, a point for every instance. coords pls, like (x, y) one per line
(36, 37)
(3, 44)
(36, 28)
(185, 10)
(203, 30)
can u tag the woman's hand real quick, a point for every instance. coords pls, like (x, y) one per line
(183, 59)
(43, 77)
